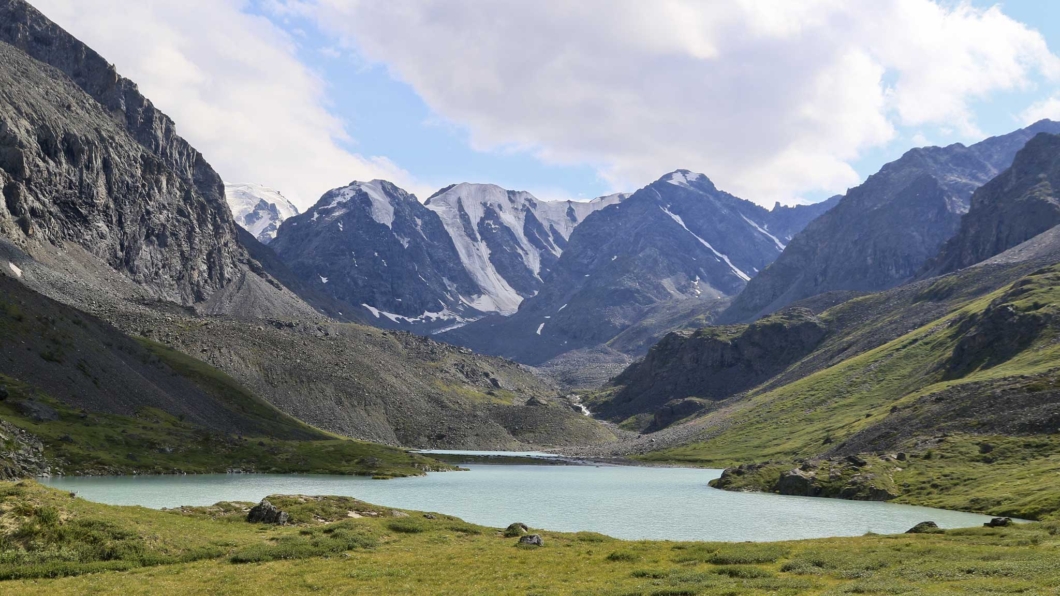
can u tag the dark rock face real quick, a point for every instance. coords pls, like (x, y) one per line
(265, 512)
(1016, 206)
(713, 363)
(371, 244)
(678, 240)
(882, 232)
(998, 333)
(925, 527)
(85, 158)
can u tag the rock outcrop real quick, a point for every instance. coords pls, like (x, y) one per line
(265, 513)
(21, 454)
(712, 363)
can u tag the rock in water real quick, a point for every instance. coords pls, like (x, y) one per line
(926, 527)
(266, 512)
(531, 540)
(998, 522)
(516, 529)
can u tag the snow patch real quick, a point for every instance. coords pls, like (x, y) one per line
(540, 327)
(323, 279)
(780, 245)
(562, 307)
(15, 269)
(683, 178)
(427, 317)
(680, 222)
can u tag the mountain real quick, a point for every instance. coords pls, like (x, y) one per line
(882, 232)
(676, 242)
(508, 240)
(258, 209)
(1016, 206)
(377, 248)
(103, 195)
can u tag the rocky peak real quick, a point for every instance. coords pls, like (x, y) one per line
(1017, 205)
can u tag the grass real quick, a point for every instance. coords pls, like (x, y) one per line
(812, 415)
(55, 544)
(155, 442)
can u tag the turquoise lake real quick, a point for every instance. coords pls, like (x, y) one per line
(621, 501)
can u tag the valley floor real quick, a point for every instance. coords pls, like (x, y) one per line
(54, 543)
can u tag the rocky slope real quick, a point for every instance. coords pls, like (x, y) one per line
(258, 209)
(677, 241)
(508, 240)
(1016, 206)
(883, 231)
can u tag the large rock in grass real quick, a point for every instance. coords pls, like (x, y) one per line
(266, 512)
(516, 529)
(925, 527)
(531, 540)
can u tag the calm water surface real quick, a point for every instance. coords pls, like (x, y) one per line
(624, 502)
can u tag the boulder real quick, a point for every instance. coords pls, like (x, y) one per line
(266, 512)
(531, 540)
(35, 410)
(925, 527)
(516, 529)
(798, 482)
(998, 522)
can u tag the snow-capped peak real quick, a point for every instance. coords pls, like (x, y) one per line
(683, 178)
(377, 192)
(258, 209)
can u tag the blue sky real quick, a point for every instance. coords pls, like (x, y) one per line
(385, 116)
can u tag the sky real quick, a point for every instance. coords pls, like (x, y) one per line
(775, 100)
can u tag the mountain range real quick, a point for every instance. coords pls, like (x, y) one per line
(258, 209)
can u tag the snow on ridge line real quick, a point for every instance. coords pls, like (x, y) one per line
(680, 222)
(681, 178)
(779, 244)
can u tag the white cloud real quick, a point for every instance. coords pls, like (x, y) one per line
(234, 86)
(772, 99)
(1046, 108)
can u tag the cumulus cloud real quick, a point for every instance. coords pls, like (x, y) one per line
(770, 98)
(1046, 108)
(233, 84)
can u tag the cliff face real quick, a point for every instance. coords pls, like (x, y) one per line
(1019, 204)
(85, 158)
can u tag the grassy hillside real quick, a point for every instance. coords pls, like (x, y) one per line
(101, 402)
(976, 387)
(51, 543)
